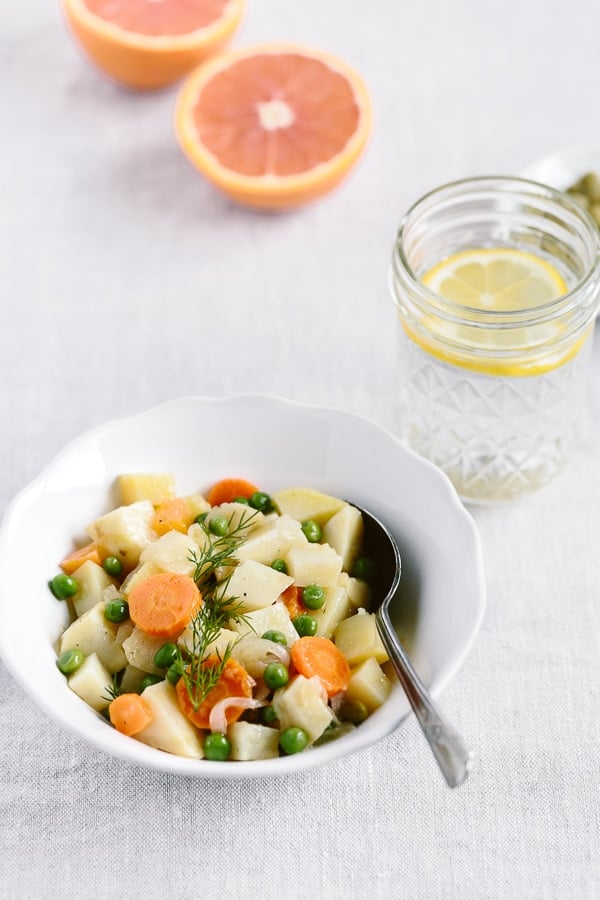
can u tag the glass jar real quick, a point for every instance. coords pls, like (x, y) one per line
(495, 397)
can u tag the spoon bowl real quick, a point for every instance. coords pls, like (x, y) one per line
(448, 748)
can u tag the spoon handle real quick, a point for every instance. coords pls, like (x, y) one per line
(451, 754)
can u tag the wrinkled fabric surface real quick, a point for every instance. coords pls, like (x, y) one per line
(127, 280)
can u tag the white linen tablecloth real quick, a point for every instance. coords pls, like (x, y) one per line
(126, 280)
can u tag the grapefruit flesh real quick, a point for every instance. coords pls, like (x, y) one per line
(274, 126)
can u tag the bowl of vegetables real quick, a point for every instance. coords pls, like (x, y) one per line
(200, 603)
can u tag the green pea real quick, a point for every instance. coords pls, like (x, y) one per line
(313, 596)
(312, 531)
(217, 747)
(116, 610)
(243, 500)
(148, 681)
(219, 526)
(353, 711)
(166, 655)
(366, 569)
(112, 565)
(260, 501)
(268, 715)
(276, 676)
(173, 674)
(293, 740)
(63, 586)
(280, 565)
(69, 661)
(305, 625)
(199, 520)
(278, 637)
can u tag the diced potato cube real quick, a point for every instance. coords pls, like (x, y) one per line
(92, 682)
(305, 503)
(92, 580)
(241, 518)
(146, 486)
(219, 645)
(197, 504)
(199, 536)
(141, 571)
(335, 609)
(369, 684)
(131, 680)
(91, 633)
(314, 564)
(125, 531)
(358, 638)
(255, 585)
(139, 649)
(253, 741)
(344, 532)
(271, 618)
(301, 704)
(171, 553)
(169, 729)
(272, 541)
(359, 592)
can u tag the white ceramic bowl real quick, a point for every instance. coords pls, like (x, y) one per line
(276, 444)
(564, 167)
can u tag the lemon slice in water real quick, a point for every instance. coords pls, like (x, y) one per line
(493, 280)
(500, 279)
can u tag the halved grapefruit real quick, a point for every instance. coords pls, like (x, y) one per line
(151, 43)
(274, 125)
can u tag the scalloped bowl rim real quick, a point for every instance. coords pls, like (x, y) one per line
(565, 165)
(69, 711)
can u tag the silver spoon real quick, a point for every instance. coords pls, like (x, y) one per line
(448, 748)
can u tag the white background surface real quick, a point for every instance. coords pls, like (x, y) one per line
(126, 280)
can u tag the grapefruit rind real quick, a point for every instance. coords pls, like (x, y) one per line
(148, 61)
(272, 191)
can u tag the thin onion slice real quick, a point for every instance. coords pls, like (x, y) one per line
(336, 701)
(281, 652)
(256, 653)
(217, 719)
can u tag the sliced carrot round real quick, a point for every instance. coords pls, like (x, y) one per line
(130, 713)
(163, 604)
(228, 489)
(274, 126)
(319, 656)
(149, 44)
(234, 682)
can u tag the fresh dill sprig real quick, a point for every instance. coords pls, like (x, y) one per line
(202, 675)
(113, 690)
(218, 549)
(198, 672)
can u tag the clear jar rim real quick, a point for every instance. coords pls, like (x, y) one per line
(435, 303)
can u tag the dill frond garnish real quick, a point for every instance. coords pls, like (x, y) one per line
(219, 549)
(113, 690)
(200, 670)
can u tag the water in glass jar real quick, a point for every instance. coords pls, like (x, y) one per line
(498, 404)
